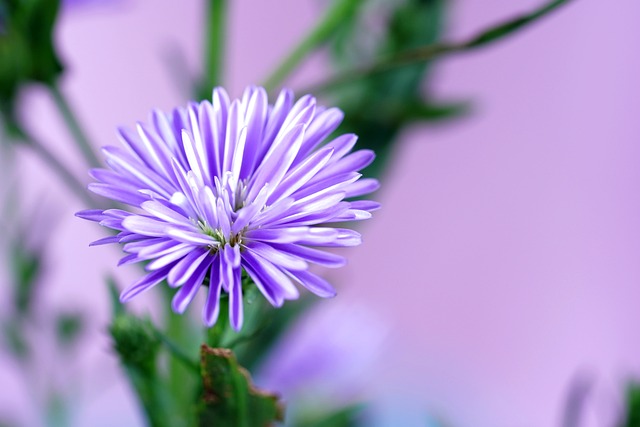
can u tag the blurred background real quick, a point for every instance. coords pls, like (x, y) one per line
(502, 273)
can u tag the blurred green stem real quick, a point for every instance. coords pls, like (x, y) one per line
(334, 17)
(215, 38)
(216, 336)
(149, 394)
(433, 51)
(70, 119)
(58, 167)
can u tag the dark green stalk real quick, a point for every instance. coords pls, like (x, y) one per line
(214, 45)
(438, 50)
(318, 35)
(70, 119)
(216, 336)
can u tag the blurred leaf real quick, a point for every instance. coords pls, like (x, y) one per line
(378, 106)
(136, 343)
(69, 326)
(348, 416)
(26, 267)
(14, 339)
(396, 72)
(632, 410)
(27, 51)
(339, 12)
(418, 111)
(57, 412)
(117, 308)
(229, 397)
(511, 26)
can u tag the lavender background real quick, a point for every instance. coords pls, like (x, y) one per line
(505, 261)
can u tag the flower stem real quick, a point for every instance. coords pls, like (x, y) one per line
(335, 16)
(214, 53)
(58, 167)
(433, 51)
(70, 119)
(216, 336)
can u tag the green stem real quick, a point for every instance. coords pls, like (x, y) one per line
(433, 51)
(332, 20)
(215, 37)
(149, 393)
(216, 336)
(70, 119)
(180, 337)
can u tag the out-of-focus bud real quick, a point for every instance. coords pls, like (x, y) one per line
(137, 343)
(69, 327)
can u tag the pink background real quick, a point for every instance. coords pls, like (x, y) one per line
(505, 260)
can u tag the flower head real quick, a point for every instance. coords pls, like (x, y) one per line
(220, 187)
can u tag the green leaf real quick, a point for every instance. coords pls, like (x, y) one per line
(137, 344)
(229, 398)
(434, 111)
(27, 52)
(506, 29)
(14, 339)
(378, 106)
(69, 326)
(349, 416)
(632, 410)
(26, 267)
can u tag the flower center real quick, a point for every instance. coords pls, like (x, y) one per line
(218, 235)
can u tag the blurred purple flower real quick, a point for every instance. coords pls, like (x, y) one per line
(327, 357)
(230, 186)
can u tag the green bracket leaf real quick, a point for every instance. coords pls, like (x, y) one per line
(229, 397)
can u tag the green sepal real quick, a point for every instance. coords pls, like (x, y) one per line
(229, 397)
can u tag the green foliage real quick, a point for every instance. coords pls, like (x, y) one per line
(338, 14)
(136, 342)
(632, 409)
(229, 397)
(378, 106)
(14, 339)
(27, 52)
(508, 28)
(26, 268)
(69, 326)
(349, 416)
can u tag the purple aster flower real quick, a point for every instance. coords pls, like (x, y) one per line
(220, 187)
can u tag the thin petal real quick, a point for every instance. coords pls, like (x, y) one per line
(185, 268)
(211, 308)
(313, 283)
(186, 293)
(145, 283)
